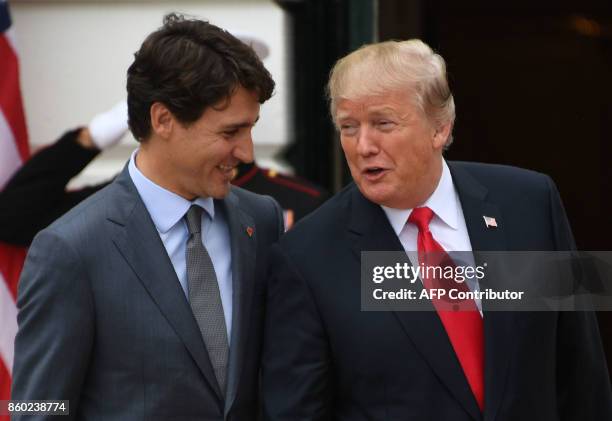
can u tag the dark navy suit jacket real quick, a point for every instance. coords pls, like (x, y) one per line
(326, 359)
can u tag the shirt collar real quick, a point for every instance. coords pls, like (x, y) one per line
(443, 202)
(165, 207)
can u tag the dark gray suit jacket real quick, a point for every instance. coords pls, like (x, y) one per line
(104, 322)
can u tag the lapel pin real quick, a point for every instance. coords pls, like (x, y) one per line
(250, 231)
(490, 222)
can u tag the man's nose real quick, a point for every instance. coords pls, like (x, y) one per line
(244, 149)
(367, 143)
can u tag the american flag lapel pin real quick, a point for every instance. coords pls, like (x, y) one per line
(250, 231)
(490, 222)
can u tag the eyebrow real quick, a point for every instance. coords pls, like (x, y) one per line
(342, 117)
(239, 125)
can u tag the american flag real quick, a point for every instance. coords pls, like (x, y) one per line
(490, 222)
(14, 150)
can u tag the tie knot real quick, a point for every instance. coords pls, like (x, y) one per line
(194, 219)
(421, 217)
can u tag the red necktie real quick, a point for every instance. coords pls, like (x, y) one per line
(464, 328)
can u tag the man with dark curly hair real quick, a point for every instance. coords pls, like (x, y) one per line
(145, 301)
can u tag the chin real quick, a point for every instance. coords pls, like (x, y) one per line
(376, 195)
(220, 192)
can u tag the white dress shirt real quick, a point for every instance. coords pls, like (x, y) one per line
(167, 211)
(447, 225)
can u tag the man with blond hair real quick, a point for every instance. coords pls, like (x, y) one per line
(326, 358)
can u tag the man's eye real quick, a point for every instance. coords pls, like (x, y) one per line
(348, 129)
(385, 124)
(230, 133)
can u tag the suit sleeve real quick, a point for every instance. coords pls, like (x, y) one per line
(296, 362)
(56, 326)
(36, 194)
(583, 382)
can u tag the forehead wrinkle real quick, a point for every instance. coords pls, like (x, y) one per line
(392, 103)
(362, 107)
(347, 108)
(395, 103)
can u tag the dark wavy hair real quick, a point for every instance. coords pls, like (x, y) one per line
(189, 65)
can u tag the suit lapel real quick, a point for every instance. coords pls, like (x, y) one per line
(498, 326)
(473, 197)
(139, 243)
(243, 234)
(372, 231)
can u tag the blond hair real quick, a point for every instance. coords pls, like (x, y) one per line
(410, 66)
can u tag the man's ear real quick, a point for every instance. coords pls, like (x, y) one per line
(162, 120)
(441, 135)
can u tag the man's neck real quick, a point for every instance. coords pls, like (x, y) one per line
(151, 164)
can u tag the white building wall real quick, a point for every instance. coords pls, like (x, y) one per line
(74, 56)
